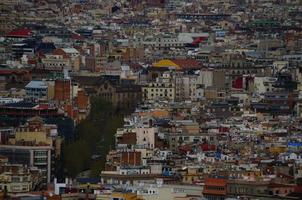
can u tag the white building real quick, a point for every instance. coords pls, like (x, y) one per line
(6, 100)
(212, 78)
(72, 52)
(145, 136)
(170, 41)
(163, 41)
(264, 84)
(168, 192)
(290, 156)
(37, 90)
(134, 170)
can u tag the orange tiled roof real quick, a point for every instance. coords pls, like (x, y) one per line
(187, 63)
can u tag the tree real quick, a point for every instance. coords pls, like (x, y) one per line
(94, 136)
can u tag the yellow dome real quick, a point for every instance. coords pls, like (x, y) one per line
(166, 63)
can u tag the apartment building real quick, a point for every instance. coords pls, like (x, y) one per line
(37, 90)
(162, 88)
(15, 178)
(55, 62)
(34, 144)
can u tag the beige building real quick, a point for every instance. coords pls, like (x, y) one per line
(212, 93)
(50, 90)
(15, 179)
(65, 58)
(56, 62)
(74, 57)
(35, 131)
(170, 192)
(119, 94)
(163, 88)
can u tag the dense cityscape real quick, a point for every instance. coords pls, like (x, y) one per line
(150, 99)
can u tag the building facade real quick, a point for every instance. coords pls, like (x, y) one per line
(163, 88)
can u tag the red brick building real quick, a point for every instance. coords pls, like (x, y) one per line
(62, 90)
(127, 138)
(60, 52)
(122, 158)
(82, 100)
(215, 188)
(131, 158)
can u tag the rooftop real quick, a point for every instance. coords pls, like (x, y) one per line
(36, 84)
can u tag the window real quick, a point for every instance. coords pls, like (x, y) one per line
(15, 179)
(40, 160)
(40, 153)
